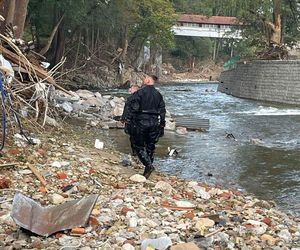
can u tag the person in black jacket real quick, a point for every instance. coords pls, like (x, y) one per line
(148, 122)
(127, 116)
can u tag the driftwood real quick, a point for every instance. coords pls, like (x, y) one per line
(38, 175)
(24, 64)
(8, 165)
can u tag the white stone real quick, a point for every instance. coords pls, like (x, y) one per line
(151, 223)
(66, 106)
(56, 164)
(93, 102)
(131, 214)
(203, 223)
(170, 124)
(192, 183)
(285, 235)
(181, 130)
(69, 241)
(118, 110)
(184, 204)
(127, 246)
(51, 122)
(138, 178)
(133, 222)
(57, 199)
(162, 243)
(94, 123)
(99, 144)
(25, 171)
(112, 104)
(164, 186)
(201, 192)
(85, 94)
(98, 95)
(65, 163)
(259, 227)
(6, 219)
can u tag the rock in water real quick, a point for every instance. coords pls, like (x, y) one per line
(181, 131)
(162, 243)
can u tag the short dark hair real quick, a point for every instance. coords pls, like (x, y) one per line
(154, 77)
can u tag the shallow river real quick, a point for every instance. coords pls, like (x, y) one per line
(269, 169)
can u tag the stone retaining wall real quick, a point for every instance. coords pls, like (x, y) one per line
(275, 81)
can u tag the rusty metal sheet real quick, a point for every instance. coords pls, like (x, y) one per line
(45, 221)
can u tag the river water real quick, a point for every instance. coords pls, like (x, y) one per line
(263, 159)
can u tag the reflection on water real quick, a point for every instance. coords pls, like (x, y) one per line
(269, 168)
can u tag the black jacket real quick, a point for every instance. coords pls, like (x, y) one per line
(128, 111)
(149, 102)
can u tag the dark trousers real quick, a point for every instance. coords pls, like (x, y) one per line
(132, 145)
(145, 135)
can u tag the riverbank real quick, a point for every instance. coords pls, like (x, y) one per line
(129, 213)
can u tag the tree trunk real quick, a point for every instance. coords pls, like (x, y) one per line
(20, 17)
(10, 12)
(47, 47)
(61, 41)
(14, 12)
(276, 26)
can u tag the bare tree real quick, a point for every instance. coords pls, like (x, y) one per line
(14, 12)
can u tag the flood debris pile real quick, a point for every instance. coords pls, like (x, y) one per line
(131, 212)
(27, 85)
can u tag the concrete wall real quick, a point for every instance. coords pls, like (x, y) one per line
(275, 81)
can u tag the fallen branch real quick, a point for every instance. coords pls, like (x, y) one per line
(8, 165)
(27, 65)
(38, 175)
(213, 233)
(47, 47)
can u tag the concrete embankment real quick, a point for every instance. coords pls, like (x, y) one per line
(274, 81)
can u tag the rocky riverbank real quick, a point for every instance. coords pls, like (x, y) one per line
(97, 110)
(131, 212)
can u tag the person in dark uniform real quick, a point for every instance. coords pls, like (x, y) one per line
(127, 116)
(148, 122)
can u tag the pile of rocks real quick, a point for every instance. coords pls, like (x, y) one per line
(132, 212)
(98, 110)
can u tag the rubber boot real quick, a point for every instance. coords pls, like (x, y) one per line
(148, 171)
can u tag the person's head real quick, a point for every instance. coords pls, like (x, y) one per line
(134, 88)
(150, 80)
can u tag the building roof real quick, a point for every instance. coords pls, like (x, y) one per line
(224, 20)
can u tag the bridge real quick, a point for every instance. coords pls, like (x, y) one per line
(204, 26)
